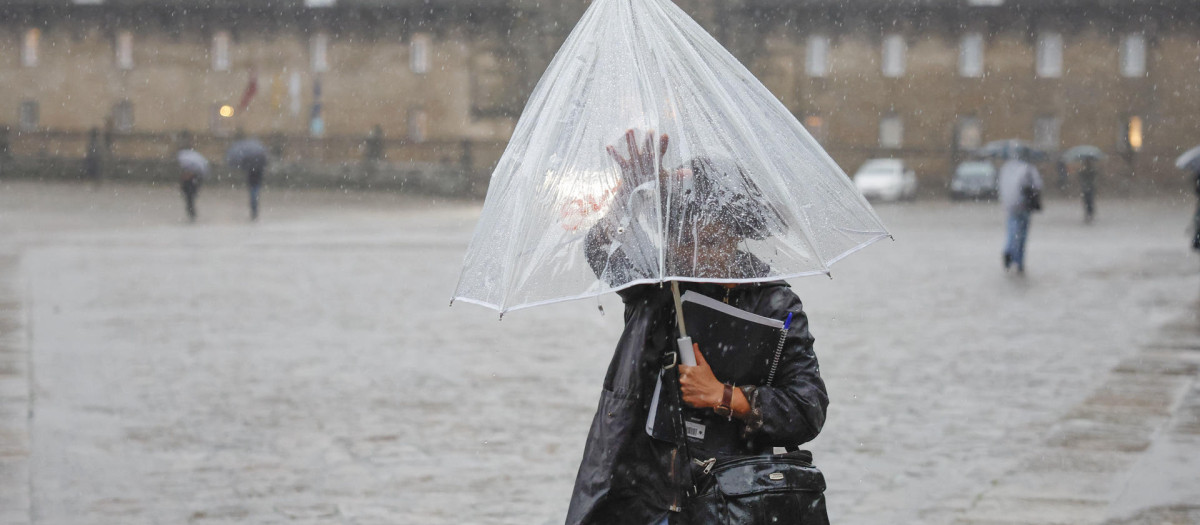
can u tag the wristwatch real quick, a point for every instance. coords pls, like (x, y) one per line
(725, 408)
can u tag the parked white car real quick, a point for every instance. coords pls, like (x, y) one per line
(886, 180)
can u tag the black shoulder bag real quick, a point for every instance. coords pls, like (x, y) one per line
(776, 489)
(1031, 194)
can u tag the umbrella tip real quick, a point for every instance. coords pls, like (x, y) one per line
(892, 237)
(501, 316)
(829, 274)
(451, 303)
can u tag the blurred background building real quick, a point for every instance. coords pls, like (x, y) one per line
(435, 86)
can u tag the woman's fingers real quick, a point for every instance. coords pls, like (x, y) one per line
(700, 360)
(617, 157)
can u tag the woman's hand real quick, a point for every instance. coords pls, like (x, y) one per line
(640, 167)
(699, 386)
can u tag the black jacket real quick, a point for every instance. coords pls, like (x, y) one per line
(627, 477)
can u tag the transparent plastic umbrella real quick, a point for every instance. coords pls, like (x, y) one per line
(643, 147)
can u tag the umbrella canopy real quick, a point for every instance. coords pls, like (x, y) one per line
(1010, 149)
(1078, 153)
(191, 160)
(246, 154)
(1190, 160)
(644, 147)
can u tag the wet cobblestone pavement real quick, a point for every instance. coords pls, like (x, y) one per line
(306, 369)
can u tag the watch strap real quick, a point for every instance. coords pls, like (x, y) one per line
(726, 406)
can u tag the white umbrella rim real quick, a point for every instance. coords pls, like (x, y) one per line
(589, 295)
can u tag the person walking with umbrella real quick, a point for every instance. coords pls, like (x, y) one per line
(250, 155)
(739, 198)
(93, 158)
(1190, 163)
(1089, 157)
(193, 168)
(1020, 187)
(633, 475)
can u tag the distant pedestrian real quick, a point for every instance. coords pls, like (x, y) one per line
(1020, 194)
(93, 158)
(254, 181)
(193, 168)
(1087, 186)
(1196, 217)
(189, 184)
(1060, 169)
(250, 155)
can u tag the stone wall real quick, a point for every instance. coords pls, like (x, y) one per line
(485, 59)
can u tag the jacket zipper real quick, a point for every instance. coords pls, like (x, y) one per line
(674, 482)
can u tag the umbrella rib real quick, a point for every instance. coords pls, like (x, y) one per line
(730, 108)
(522, 231)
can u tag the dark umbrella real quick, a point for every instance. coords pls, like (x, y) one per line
(1010, 149)
(247, 154)
(1078, 153)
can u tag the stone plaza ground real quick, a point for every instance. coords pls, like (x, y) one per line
(307, 369)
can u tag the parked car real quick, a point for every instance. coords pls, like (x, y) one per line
(974, 179)
(886, 179)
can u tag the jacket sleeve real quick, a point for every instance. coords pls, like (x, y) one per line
(791, 411)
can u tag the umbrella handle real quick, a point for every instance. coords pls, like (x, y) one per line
(687, 356)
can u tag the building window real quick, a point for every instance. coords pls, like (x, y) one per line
(418, 53)
(894, 50)
(220, 51)
(30, 117)
(1133, 55)
(1049, 55)
(970, 55)
(817, 56)
(125, 50)
(319, 52)
(970, 133)
(122, 116)
(418, 125)
(1045, 133)
(815, 124)
(319, 3)
(29, 47)
(891, 132)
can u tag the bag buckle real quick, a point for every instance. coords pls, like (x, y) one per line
(674, 356)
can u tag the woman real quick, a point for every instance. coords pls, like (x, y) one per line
(628, 476)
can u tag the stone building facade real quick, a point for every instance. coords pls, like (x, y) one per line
(445, 80)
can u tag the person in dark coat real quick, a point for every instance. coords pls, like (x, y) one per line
(628, 476)
(254, 181)
(1087, 186)
(1196, 216)
(189, 185)
(93, 157)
